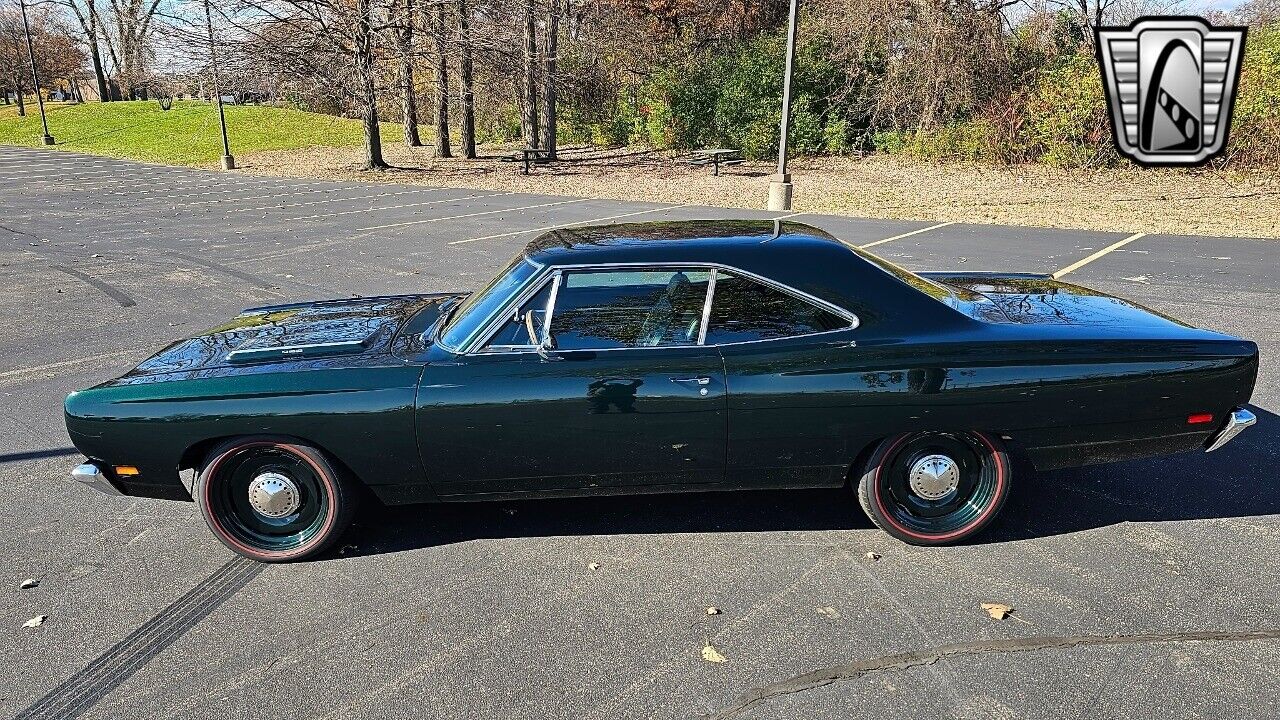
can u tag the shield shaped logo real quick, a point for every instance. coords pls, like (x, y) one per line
(1170, 84)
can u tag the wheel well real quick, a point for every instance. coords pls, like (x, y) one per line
(1016, 451)
(860, 460)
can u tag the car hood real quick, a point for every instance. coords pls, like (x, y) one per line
(287, 333)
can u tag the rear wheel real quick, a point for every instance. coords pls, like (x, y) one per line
(934, 488)
(272, 499)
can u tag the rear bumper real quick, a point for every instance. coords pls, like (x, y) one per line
(1237, 421)
(93, 476)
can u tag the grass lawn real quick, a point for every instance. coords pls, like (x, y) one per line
(188, 134)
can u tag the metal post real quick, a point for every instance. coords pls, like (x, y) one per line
(780, 185)
(45, 139)
(228, 162)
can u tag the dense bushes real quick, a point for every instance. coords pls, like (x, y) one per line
(1044, 102)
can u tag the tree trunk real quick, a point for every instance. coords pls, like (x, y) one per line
(442, 84)
(98, 74)
(409, 94)
(549, 81)
(465, 76)
(530, 117)
(369, 96)
(17, 92)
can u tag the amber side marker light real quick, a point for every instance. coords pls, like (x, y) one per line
(1199, 418)
(126, 470)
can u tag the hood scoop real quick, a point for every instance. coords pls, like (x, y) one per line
(309, 333)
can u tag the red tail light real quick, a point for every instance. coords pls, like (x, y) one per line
(1199, 418)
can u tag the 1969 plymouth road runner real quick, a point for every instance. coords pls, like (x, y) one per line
(660, 357)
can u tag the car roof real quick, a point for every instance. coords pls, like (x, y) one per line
(677, 240)
(795, 254)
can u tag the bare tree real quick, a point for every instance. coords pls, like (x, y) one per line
(549, 80)
(408, 92)
(127, 39)
(466, 79)
(86, 14)
(442, 80)
(530, 91)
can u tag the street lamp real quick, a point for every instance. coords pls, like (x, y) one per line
(780, 184)
(228, 162)
(45, 139)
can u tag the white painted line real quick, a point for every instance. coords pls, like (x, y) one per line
(34, 370)
(560, 227)
(906, 234)
(367, 230)
(406, 205)
(336, 199)
(1104, 251)
(784, 217)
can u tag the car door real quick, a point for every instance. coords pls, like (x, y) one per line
(626, 395)
(797, 397)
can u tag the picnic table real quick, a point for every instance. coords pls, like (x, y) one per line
(715, 157)
(532, 155)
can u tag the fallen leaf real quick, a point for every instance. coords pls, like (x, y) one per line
(873, 555)
(829, 612)
(593, 566)
(713, 610)
(1138, 279)
(36, 621)
(711, 655)
(29, 583)
(997, 611)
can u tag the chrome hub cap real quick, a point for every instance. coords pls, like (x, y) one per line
(274, 495)
(934, 477)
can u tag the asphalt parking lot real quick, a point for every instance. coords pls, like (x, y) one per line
(1148, 589)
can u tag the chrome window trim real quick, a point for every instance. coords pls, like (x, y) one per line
(706, 307)
(553, 273)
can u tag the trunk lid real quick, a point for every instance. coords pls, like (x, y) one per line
(1026, 299)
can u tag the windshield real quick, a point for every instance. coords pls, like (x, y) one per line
(481, 304)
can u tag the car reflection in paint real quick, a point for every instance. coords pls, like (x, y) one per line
(660, 357)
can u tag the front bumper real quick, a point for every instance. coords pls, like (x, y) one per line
(1235, 424)
(93, 476)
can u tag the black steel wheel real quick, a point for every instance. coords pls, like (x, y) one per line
(273, 499)
(935, 488)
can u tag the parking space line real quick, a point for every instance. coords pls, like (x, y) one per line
(36, 369)
(367, 230)
(398, 207)
(904, 235)
(560, 227)
(338, 199)
(1104, 251)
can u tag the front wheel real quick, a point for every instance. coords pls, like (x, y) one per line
(272, 499)
(935, 488)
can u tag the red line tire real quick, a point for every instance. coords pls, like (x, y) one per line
(935, 488)
(313, 505)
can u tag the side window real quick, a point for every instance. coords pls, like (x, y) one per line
(602, 309)
(743, 309)
(513, 332)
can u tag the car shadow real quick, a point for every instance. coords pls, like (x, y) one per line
(1235, 481)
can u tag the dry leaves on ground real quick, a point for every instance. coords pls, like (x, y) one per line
(711, 655)
(997, 611)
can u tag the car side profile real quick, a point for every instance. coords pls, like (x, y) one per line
(653, 358)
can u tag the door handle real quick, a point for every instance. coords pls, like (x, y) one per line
(698, 380)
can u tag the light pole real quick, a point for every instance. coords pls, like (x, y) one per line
(780, 184)
(45, 139)
(228, 162)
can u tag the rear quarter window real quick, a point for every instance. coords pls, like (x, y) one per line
(744, 310)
